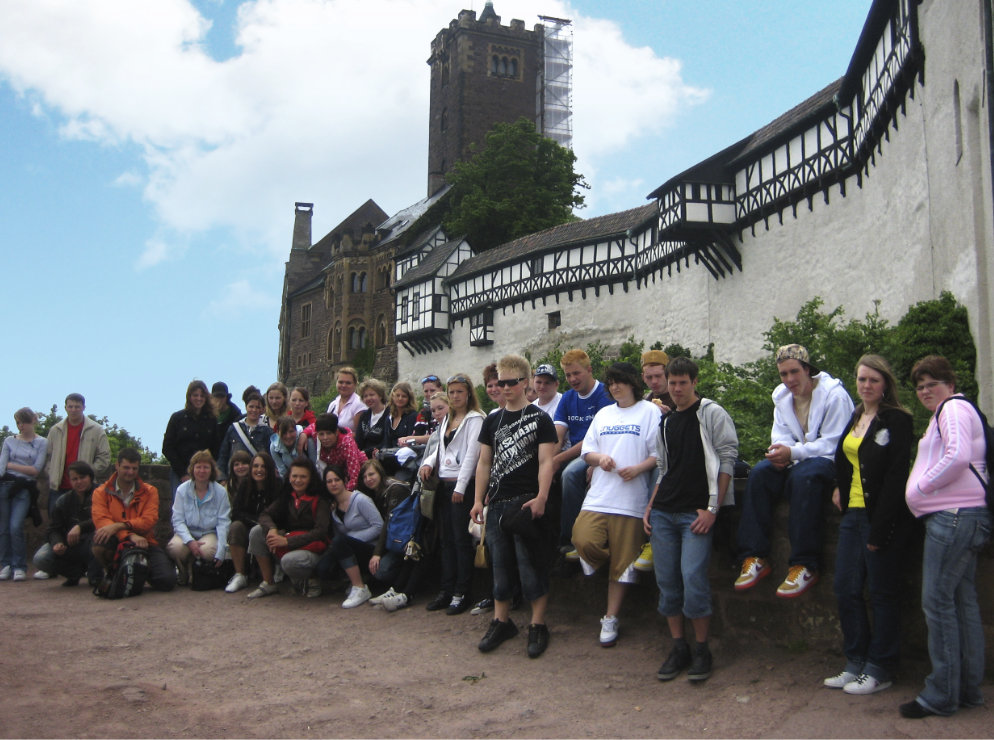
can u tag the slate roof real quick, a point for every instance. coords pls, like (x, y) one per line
(392, 228)
(557, 238)
(368, 214)
(721, 167)
(430, 264)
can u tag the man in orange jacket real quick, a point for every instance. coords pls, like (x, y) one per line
(126, 508)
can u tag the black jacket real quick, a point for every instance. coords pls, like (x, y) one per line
(70, 511)
(884, 462)
(186, 434)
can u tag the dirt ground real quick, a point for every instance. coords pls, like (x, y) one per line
(188, 664)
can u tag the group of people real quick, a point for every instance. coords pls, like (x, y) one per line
(606, 473)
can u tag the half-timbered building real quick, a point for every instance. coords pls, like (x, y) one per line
(875, 189)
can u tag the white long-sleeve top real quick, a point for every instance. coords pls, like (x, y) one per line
(458, 459)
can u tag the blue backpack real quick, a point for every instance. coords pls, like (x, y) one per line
(403, 523)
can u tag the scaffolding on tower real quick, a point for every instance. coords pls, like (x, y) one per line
(555, 90)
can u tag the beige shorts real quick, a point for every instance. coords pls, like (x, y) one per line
(609, 538)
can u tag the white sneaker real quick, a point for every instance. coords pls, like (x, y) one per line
(839, 681)
(237, 583)
(377, 600)
(357, 595)
(5, 573)
(395, 602)
(20, 574)
(865, 684)
(41, 575)
(264, 589)
(609, 631)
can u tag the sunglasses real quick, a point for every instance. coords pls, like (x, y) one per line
(432, 378)
(510, 382)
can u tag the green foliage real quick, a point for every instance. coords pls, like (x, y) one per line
(485, 403)
(631, 351)
(520, 182)
(117, 437)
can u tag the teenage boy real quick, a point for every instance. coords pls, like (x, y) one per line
(517, 445)
(810, 411)
(697, 450)
(77, 437)
(68, 551)
(654, 374)
(585, 397)
(126, 508)
(620, 446)
(546, 386)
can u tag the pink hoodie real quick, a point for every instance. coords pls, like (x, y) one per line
(941, 477)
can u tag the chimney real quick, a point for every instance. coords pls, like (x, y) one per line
(302, 225)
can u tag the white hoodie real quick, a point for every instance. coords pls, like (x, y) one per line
(830, 410)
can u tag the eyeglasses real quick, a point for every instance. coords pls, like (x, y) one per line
(458, 379)
(510, 382)
(929, 386)
(432, 378)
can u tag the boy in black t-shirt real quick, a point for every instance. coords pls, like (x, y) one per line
(517, 444)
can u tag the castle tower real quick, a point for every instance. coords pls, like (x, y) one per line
(481, 73)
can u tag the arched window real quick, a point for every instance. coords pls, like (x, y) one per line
(357, 336)
(337, 344)
(494, 65)
(502, 67)
(362, 282)
(512, 68)
(381, 331)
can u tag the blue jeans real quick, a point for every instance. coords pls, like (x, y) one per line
(681, 560)
(574, 478)
(344, 551)
(532, 559)
(949, 600)
(804, 484)
(13, 510)
(872, 651)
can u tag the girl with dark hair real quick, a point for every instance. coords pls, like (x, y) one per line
(239, 467)
(357, 525)
(250, 434)
(871, 466)
(292, 529)
(251, 498)
(300, 406)
(189, 430)
(947, 490)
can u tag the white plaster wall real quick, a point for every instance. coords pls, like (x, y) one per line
(920, 224)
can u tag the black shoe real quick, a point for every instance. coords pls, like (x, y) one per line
(678, 660)
(914, 710)
(700, 664)
(458, 605)
(441, 601)
(498, 632)
(70, 582)
(538, 639)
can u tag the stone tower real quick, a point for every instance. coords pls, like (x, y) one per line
(482, 73)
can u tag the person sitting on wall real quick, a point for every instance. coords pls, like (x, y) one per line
(654, 364)
(347, 404)
(546, 385)
(126, 508)
(69, 550)
(585, 397)
(811, 411)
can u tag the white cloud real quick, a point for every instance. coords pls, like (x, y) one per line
(156, 251)
(326, 102)
(239, 298)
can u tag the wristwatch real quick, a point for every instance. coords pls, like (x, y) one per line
(713, 510)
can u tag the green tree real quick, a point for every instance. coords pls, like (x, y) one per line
(117, 437)
(520, 182)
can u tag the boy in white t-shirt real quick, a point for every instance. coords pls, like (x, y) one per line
(620, 446)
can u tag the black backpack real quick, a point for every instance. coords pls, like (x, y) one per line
(128, 576)
(988, 439)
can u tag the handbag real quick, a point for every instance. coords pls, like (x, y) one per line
(481, 557)
(207, 577)
(429, 486)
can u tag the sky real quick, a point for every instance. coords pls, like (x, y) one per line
(150, 161)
